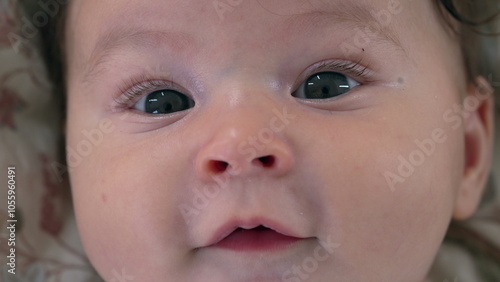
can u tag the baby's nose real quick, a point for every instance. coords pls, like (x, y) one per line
(247, 145)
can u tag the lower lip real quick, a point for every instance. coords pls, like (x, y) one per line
(256, 240)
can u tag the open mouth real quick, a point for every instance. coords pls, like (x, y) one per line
(259, 238)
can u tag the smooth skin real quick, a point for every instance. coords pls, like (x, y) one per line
(152, 193)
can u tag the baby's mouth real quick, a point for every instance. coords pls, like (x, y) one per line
(259, 238)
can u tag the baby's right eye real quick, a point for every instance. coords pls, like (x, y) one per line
(164, 102)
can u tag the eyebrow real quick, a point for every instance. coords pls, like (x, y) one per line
(353, 14)
(135, 38)
(358, 16)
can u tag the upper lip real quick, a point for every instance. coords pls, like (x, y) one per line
(230, 226)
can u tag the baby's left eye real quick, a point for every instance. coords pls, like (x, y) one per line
(325, 85)
(164, 102)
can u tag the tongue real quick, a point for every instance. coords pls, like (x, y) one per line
(256, 239)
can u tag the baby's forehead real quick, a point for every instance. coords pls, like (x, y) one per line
(188, 25)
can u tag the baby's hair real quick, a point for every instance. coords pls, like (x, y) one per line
(478, 33)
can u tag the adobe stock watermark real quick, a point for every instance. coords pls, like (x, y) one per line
(203, 196)
(249, 148)
(29, 28)
(223, 6)
(94, 137)
(453, 118)
(363, 37)
(310, 264)
(266, 135)
(75, 155)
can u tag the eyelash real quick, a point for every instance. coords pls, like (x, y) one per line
(134, 88)
(356, 70)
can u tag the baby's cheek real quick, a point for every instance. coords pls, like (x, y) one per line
(390, 190)
(410, 192)
(125, 195)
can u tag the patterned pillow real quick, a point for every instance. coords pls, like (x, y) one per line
(47, 246)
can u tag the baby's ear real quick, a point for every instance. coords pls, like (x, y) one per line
(479, 134)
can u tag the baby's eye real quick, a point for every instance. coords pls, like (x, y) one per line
(325, 85)
(164, 102)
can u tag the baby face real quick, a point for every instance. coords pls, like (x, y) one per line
(263, 140)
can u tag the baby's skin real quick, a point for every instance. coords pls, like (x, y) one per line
(273, 140)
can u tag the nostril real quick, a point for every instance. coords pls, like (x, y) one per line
(267, 161)
(217, 166)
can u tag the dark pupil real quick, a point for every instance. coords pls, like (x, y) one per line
(165, 102)
(326, 85)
